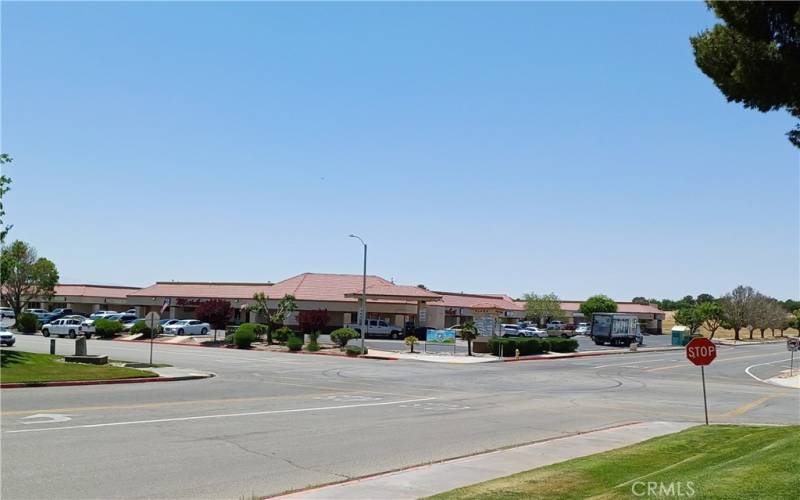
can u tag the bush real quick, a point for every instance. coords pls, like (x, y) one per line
(106, 328)
(282, 334)
(527, 347)
(229, 339)
(27, 323)
(141, 327)
(246, 334)
(563, 345)
(294, 344)
(312, 346)
(354, 350)
(342, 336)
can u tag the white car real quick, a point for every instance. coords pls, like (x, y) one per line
(532, 331)
(37, 312)
(187, 327)
(63, 328)
(7, 338)
(7, 312)
(128, 324)
(102, 314)
(555, 325)
(583, 330)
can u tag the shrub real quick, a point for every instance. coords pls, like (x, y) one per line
(282, 334)
(313, 321)
(141, 327)
(294, 344)
(410, 341)
(246, 334)
(354, 350)
(106, 328)
(312, 346)
(229, 339)
(342, 336)
(526, 347)
(563, 345)
(27, 323)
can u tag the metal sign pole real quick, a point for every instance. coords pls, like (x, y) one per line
(705, 401)
(152, 334)
(791, 366)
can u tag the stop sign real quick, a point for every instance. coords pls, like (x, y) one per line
(701, 351)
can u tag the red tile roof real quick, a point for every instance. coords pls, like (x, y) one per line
(469, 300)
(110, 291)
(391, 291)
(202, 290)
(622, 307)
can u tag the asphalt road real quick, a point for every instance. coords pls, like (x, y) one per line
(270, 422)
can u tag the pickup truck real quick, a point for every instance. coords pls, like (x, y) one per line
(378, 328)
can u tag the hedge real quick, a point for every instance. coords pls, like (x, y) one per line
(294, 343)
(141, 327)
(354, 350)
(106, 328)
(282, 334)
(563, 345)
(246, 334)
(27, 323)
(527, 347)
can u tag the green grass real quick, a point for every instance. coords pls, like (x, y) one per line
(18, 366)
(721, 461)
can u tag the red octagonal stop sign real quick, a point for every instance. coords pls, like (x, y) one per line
(701, 351)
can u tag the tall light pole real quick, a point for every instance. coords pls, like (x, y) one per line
(363, 295)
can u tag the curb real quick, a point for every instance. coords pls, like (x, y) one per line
(589, 354)
(138, 380)
(290, 493)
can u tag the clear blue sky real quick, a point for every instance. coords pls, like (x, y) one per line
(566, 147)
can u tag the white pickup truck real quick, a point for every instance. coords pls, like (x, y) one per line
(378, 328)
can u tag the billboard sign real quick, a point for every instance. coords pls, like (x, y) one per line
(440, 337)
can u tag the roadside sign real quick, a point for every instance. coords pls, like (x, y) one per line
(701, 351)
(440, 336)
(793, 344)
(152, 319)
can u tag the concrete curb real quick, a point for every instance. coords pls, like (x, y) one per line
(587, 354)
(138, 380)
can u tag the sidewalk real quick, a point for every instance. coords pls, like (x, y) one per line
(426, 480)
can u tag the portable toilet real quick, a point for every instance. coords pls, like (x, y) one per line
(679, 333)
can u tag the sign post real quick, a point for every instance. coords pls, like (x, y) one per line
(701, 352)
(792, 345)
(151, 320)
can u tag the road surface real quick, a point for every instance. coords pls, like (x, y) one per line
(271, 422)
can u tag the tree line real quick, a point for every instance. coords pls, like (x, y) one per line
(743, 308)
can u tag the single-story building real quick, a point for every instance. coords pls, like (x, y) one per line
(86, 299)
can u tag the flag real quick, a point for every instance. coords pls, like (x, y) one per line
(165, 306)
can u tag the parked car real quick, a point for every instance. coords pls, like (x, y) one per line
(80, 317)
(583, 330)
(555, 325)
(130, 311)
(378, 328)
(127, 325)
(187, 327)
(101, 314)
(7, 338)
(63, 328)
(7, 312)
(532, 331)
(510, 331)
(87, 327)
(456, 329)
(570, 326)
(60, 313)
(36, 311)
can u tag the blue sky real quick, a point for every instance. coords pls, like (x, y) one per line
(516, 147)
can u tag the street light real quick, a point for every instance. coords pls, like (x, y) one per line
(363, 295)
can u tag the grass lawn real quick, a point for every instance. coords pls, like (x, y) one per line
(721, 461)
(18, 366)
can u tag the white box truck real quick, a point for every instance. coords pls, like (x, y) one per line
(615, 329)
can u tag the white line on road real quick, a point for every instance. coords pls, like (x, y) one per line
(747, 370)
(203, 417)
(633, 363)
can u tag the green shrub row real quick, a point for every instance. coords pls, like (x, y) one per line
(354, 350)
(27, 323)
(106, 328)
(529, 347)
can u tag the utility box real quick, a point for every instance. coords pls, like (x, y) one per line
(680, 335)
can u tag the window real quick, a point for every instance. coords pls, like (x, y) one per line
(382, 323)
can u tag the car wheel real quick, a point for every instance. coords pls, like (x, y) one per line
(45, 333)
(564, 335)
(72, 334)
(180, 331)
(393, 335)
(203, 331)
(87, 335)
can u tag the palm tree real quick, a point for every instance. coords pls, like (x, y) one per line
(469, 333)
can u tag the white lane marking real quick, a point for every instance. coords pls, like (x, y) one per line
(205, 417)
(50, 418)
(626, 364)
(747, 370)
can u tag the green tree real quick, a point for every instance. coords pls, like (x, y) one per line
(25, 276)
(737, 305)
(754, 57)
(543, 307)
(410, 341)
(705, 297)
(597, 304)
(5, 182)
(275, 318)
(641, 300)
(690, 317)
(713, 316)
(469, 332)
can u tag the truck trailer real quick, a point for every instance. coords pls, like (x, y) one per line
(615, 329)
